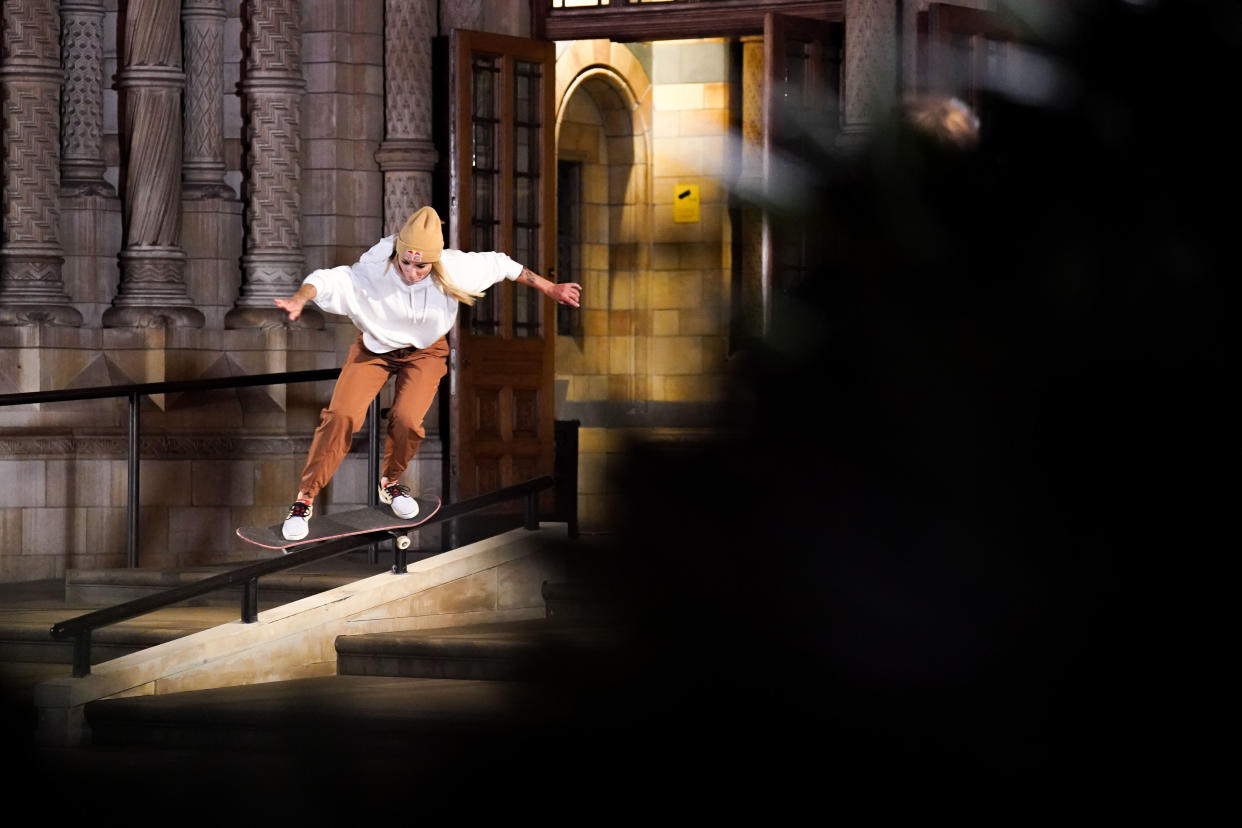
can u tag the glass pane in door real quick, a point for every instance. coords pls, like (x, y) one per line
(527, 77)
(484, 318)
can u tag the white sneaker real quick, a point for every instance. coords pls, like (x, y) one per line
(398, 495)
(297, 524)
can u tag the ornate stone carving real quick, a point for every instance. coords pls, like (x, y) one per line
(408, 31)
(152, 291)
(81, 107)
(31, 163)
(461, 14)
(404, 192)
(31, 290)
(202, 169)
(272, 89)
(870, 63)
(408, 154)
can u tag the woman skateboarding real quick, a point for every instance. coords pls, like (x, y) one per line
(403, 295)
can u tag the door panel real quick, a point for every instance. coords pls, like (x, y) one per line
(526, 413)
(502, 191)
(486, 413)
(963, 51)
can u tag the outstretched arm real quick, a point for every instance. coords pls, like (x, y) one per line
(565, 293)
(297, 301)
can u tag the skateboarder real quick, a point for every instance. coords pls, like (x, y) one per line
(402, 294)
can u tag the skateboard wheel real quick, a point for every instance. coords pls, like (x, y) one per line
(403, 541)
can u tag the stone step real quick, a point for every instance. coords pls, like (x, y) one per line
(348, 714)
(17, 682)
(28, 611)
(25, 638)
(512, 651)
(346, 746)
(582, 600)
(30, 656)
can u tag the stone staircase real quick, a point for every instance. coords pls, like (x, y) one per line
(403, 694)
(515, 651)
(29, 655)
(24, 607)
(433, 704)
(388, 686)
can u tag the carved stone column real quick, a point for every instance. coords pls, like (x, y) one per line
(152, 292)
(272, 88)
(81, 107)
(461, 14)
(870, 65)
(90, 211)
(407, 156)
(31, 289)
(202, 167)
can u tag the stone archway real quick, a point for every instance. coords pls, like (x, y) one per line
(603, 121)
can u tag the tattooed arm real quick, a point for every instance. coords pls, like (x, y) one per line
(565, 293)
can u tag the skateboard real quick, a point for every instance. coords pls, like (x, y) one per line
(363, 521)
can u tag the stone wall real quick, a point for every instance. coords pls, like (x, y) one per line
(162, 189)
(649, 357)
(211, 461)
(689, 290)
(151, 252)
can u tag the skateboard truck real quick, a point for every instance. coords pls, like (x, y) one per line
(400, 542)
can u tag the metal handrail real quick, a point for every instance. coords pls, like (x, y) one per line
(134, 392)
(80, 627)
(171, 387)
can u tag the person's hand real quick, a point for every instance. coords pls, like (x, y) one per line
(293, 305)
(567, 293)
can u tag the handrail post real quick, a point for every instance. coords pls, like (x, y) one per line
(131, 504)
(565, 465)
(373, 468)
(82, 654)
(250, 601)
(532, 510)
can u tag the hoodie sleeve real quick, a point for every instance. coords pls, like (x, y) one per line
(333, 287)
(336, 286)
(476, 272)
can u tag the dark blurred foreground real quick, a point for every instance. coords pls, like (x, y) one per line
(970, 536)
(964, 541)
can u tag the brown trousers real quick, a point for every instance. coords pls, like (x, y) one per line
(418, 371)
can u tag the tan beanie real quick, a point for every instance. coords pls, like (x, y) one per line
(421, 236)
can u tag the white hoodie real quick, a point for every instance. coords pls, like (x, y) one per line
(394, 315)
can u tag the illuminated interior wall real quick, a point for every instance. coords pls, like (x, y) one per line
(689, 286)
(645, 123)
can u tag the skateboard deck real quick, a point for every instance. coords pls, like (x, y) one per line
(342, 525)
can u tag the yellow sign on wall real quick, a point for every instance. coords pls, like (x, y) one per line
(686, 203)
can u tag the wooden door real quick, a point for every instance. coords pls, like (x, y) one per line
(801, 93)
(502, 181)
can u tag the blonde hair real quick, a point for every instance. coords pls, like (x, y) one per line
(946, 119)
(440, 276)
